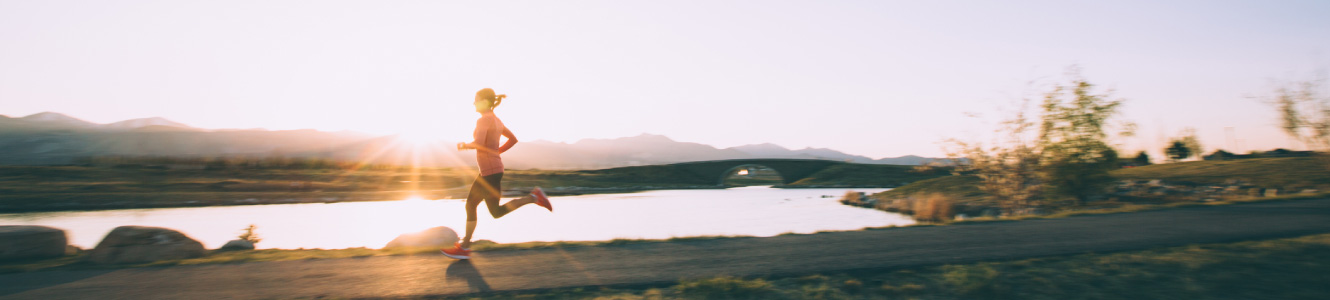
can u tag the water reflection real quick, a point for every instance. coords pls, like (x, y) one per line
(756, 211)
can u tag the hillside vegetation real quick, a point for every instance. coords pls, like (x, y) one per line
(1285, 173)
(1288, 174)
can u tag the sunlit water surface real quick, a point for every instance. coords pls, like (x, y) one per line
(752, 211)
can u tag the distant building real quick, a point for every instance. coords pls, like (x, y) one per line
(1281, 152)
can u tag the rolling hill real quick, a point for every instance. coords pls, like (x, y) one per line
(53, 138)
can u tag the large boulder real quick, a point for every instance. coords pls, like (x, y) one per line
(437, 236)
(140, 244)
(31, 242)
(238, 245)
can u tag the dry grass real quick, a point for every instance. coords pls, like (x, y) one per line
(933, 208)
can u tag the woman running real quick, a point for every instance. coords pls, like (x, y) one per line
(486, 187)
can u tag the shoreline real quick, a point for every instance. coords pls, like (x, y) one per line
(217, 256)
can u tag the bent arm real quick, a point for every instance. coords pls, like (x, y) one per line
(478, 146)
(512, 140)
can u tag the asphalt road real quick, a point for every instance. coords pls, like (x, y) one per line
(669, 262)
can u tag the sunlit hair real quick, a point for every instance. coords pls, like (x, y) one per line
(487, 94)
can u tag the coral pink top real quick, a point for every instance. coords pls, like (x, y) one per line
(488, 130)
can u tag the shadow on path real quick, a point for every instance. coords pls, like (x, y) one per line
(463, 270)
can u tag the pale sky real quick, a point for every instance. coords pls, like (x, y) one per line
(874, 78)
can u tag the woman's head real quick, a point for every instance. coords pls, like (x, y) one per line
(486, 100)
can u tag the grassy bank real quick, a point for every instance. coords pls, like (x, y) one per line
(863, 175)
(1290, 268)
(24, 180)
(51, 188)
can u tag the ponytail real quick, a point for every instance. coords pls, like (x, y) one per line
(487, 94)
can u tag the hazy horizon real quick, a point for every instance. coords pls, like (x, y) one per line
(879, 79)
(434, 142)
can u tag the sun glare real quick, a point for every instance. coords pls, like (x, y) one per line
(418, 138)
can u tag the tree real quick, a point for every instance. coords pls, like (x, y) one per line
(1074, 136)
(1068, 157)
(1142, 159)
(1185, 139)
(1305, 113)
(1177, 151)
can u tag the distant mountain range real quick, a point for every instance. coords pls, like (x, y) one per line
(50, 120)
(53, 138)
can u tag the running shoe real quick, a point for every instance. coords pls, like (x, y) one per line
(541, 199)
(456, 252)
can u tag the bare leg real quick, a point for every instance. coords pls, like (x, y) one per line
(470, 229)
(496, 211)
(519, 202)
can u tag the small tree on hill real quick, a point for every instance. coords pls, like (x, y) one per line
(1177, 151)
(1186, 139)
(1074, 135)
(1142, 159)
(1305, 114)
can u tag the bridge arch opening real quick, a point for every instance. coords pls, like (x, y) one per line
(751, 175)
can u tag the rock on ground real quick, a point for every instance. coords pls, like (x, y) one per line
(238, 245)
(437, 236)
(31, 242)
(140, 244)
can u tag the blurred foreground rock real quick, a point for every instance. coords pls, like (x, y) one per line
(140, 244)
(238, 245)
(31, 242)
(437, 236)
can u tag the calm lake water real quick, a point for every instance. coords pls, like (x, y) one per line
(753, 211)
